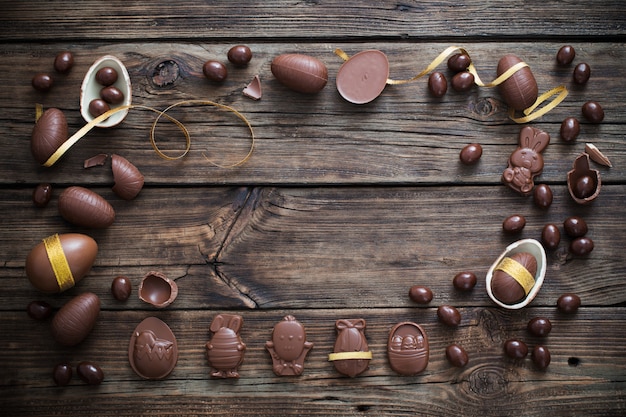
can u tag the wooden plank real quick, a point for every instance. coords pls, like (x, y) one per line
(303, 20)
(405, 136)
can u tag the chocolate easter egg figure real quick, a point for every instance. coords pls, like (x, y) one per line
(225, 350)
(351, 354)
(153, 350)
(407, 348)
(526, 162)
(288, 347)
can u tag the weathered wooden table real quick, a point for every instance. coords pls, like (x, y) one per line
(339, 211)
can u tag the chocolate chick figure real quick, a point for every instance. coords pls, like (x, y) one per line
(288, 347)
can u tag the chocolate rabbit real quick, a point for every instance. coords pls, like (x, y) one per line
(526, 162)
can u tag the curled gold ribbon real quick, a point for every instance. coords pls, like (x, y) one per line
(58, 261)
(90, 125)
(340, 356)
(560, 91)
(518, 272)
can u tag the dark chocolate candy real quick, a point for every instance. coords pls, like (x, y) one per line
(464, 281)
(449, 315)
(407, 348)
(363, 77)
(121, 288)
(351, 355)
(592, 110)
(288, 347)
(90, 373)
(541, 357)
(570, 128)
(456, 355)
(471, 153)
(575, 226)
(215, 71)
(581, 246)
(568, 303)
(225, 350)
(42, 82)
(39, 310)
(42, 195)
(437, 84)
(526, 162)
(458, 62)
(542, 196)
(550, 236)
(239, 55)
(514, 224)
(515, 349)
(62, 374)
(463, 81)
(106, 76)
(420, 294)
(63, 62)
(582, 72)
(539, 326)
(565, 55)
(152, 351)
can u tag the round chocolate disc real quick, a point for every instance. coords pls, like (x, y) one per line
(363, 77)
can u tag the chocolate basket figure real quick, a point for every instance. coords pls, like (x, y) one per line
(225, 350)
(288, 347)
(526, 162)
(407, 348)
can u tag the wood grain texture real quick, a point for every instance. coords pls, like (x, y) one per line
(339, 211)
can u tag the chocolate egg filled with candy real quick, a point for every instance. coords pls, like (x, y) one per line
(520, 90)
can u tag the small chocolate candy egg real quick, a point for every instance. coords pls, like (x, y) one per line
(90, 373)
(542, 196)
(420, 294)
(514, 224)
(63, 62)
(42, 82)
(471, 153)
(568, 303)
(77, 251)
(507, 288)
(106, 76)
(437, 84)
(83, 207)
(128, 180)
(458, 62)
(75, 320)
(239, 55)
(49, 133)
(592, 110)
(462, 81)
(97, 106)
(301, 73)
(565, 55)
(464, 281)
(215, 71)
(581, 246)
(62, 374)
(519, 91)
(515, 349)
(39, 310)
(112, 95)
(541, 356)
(449, 315)
(42, 195)
(570, 128)
(575, 226)
(457, 356)
(121, 288)
(550, 236)
(582, 72)
(539, 326)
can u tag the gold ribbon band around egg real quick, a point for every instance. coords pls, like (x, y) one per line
(58, 261)
(85, 129)
(518, 273)
(340, 356)
(529, 113)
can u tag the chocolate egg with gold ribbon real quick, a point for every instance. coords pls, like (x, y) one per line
(60, 261)
(520, 90)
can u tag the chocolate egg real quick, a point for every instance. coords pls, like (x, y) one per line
(456, 355)
(83, 207)
(301, 73)
(73, 255)
(550, 236)
(420, 294)
(515, 278)
(90, 373)
(158, 290)
(363, 77)
(515, 349)
(449, 315)
(49, 133)
(541, 356)
(153, 350)
(583, 183)
(75, 320)
(520, 90)
(128, 179)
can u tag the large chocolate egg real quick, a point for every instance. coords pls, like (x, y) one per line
(128, 179)
(73, 254)
(49, 133)
(301, 73)
(83, 207)
(520, 90)
(75, 320)
(153, 350)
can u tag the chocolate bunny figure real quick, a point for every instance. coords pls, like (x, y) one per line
(526, 162)
(225, 350)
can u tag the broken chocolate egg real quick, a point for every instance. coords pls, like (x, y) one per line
(49, 133)
(158, 290)
(75, 320)
(83, 207)
(515, 278)
(583, 182)
(153, 350)
(128, 179)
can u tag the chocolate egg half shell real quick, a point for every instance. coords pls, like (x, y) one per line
(158, 290)
(301, 73)
(75, 320)
(520, 90)
(363, 77)
(583, 183)
(153, 350)
(128, 179)
(521, 250)
(49, 133)
(83, 207)
(78, 250)
(90, 90)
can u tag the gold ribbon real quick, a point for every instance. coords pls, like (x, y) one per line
(61, 268)
(518, 272)
(340, 356)
(560, 91)
(85, 129)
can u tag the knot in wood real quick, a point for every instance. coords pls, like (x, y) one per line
(488, 382)
(484, 107)
(165, 73)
